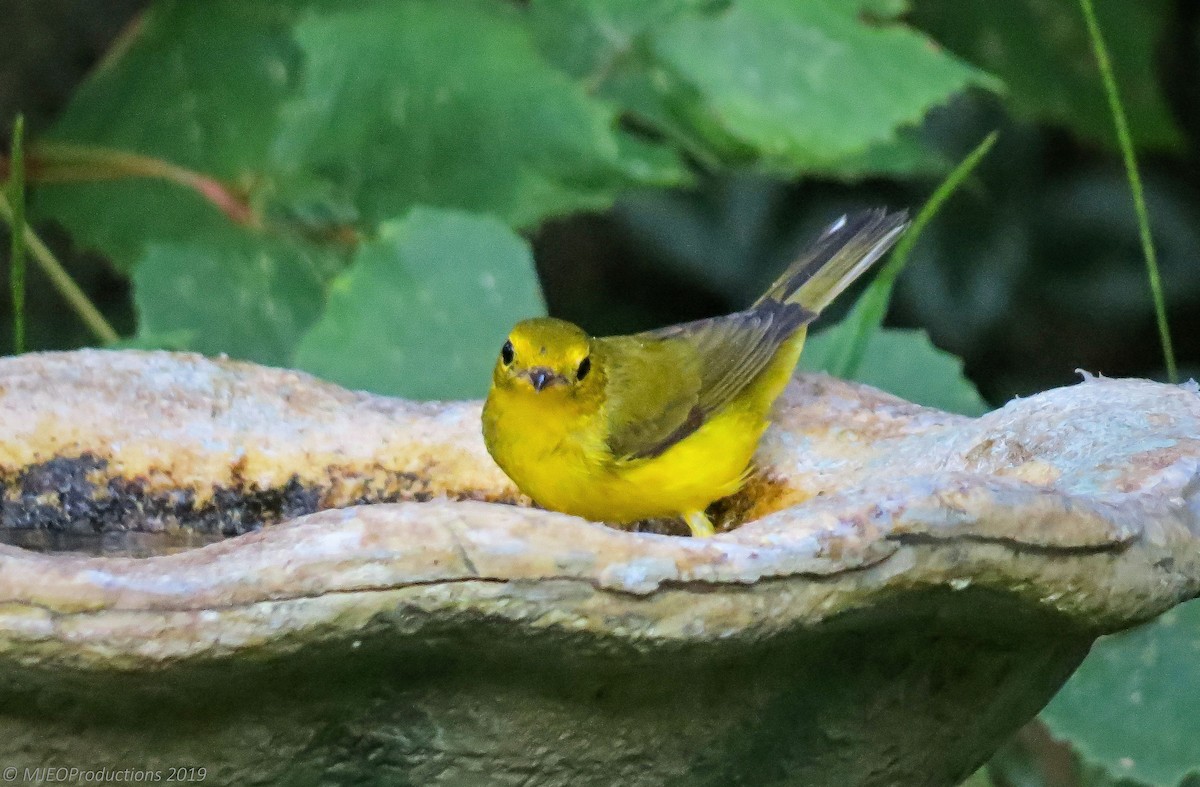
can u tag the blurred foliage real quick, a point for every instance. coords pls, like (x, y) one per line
(1127, 718)
(1041, 51)
(779, 85)
(1152, 673)
(344, 187)
(413, 312)
(330, 121)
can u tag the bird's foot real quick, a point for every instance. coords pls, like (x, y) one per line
(699, 523)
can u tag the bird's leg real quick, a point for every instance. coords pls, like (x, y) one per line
(699, 524)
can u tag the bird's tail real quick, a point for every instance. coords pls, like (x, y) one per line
(831, 263)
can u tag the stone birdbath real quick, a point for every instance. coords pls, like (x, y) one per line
(239, 575)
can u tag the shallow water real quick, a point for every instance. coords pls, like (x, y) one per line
(128, 543)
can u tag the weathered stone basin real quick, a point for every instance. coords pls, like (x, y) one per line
(908, 586)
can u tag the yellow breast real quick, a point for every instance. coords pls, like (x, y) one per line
(558, 457)
(563, 466)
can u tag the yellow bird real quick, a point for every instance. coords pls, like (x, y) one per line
(658, 424)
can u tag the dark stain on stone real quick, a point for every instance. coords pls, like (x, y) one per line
(243, 508)
(75, 505)
(75, 495)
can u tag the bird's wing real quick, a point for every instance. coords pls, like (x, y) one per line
(663, 385)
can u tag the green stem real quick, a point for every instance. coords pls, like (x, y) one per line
(62, 280)
(867, 315)
(16, 257)
(1125, 140)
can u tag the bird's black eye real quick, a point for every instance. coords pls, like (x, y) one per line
(585, 366)
(506, 353)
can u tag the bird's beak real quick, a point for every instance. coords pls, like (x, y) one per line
(541, 377)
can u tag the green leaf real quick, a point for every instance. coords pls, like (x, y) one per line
(171, 96)
(249, 297)
(199, 85)
(451, 104)
(122, 219)
(901, 362)
(424, 308)
(809, 83)
(1041, 51)
(813, 86)
(1131, 708)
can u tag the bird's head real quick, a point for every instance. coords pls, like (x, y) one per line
(551, 359)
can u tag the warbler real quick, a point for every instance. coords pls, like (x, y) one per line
(663, 423)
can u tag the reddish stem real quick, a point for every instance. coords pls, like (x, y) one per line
(55, 162)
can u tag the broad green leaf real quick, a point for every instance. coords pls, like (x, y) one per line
(902, 362)
(816, 86)
(589, 38)
(231, 293)
(1131, 708)
(423, 309)
(199, 86)
(451, 104)
(122, 219)
(809, 83)
(1041, 51)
